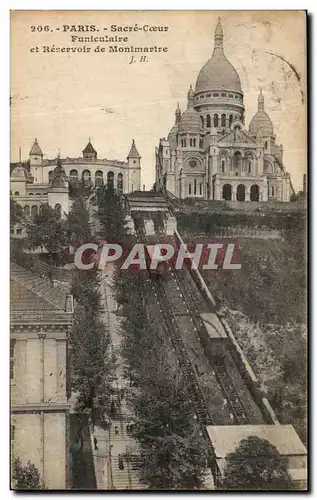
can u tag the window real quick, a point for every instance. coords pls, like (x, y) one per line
(249, 167)
(216, 94)
(120, 183)
(230, 120)
(195, 186)
(12, 348)
(222, 166)
(16, 193)
(98, 178)
(189, 189)
(208, 121)
(231, 96)
(208, 95)
(134, 161)
(216, 120)
(223, 120)
(19, 231)
(236, 96)
(273, 191)
(223, 94)
(265, 145)
(194, 143)
(200, 189)
(202, 121)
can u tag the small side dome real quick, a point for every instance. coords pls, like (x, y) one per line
(261, 120)
(172, 136)
(19, 172)
(190, 122)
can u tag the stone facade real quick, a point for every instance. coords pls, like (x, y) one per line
(209, 153)
(32, 188)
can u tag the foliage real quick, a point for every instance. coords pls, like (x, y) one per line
(111, 215)
(15, 213)
(256, 465)
(26, 477)
(172, 450)
(78, 223)
(49, 230)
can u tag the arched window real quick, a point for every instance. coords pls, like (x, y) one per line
(34, 211)
(50, 175)
(265, 145)
(194, 143)
(237, 160)
(110, 181)
(227, 192)
(201, 143)
(98, 178)
(189, 189)
(30, 194)
(241, 192)
(37, 194)
(273, 191)
(249, 166)
(254, 193)
(202, 121)
(184, 143)
(195, 186)
(16, 193)
(208, 121)
(191, 142)
(200, 188)
(73, 176)
(230, 120)
(120, 183)
(237, 117)
(58, 209)
(86, 176)
(26, 211)
(216, 120)
(222, 166)
(223, 120)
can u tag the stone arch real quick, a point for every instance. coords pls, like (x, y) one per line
(58, 209)
(98, 178)
(208, 121)
(110, 180)
(86, 176)
(241, 192)
(34, 211)
(254, 192)
(73, 176)
(237, 160)
(120, 182)
(223, 120)
(216, 120)
(26, 211)
(227, 192)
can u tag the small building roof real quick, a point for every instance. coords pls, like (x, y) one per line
(133, 151)
(32, 292)
(89, 148)
(226, 438)
(35, 149)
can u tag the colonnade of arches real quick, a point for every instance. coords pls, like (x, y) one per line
(195, 187)
(238, 163)
(218, 120)
(241, 192)
(34, 210)
(98, 181)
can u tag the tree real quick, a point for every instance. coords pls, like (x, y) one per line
(49, 230)
(111, 215)
(26, 477)
(256, 465)
(15, 213)
(78, 223)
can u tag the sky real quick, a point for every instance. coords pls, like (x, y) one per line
(64, 99)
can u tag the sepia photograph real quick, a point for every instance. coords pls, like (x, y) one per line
(158, 250)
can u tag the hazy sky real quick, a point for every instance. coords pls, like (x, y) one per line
(65, 98)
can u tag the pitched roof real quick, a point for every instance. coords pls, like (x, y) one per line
(89, 148)
(35, 149)
(133, 151)
(32, 292)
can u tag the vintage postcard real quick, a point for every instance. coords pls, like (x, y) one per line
(158, 333)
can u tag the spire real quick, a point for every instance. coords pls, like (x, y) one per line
(261, 101)
(190, 98)
(219, 35)
(36, 150)
(133, 151)
(178, 114)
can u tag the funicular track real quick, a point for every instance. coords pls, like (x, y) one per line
(223, 377)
